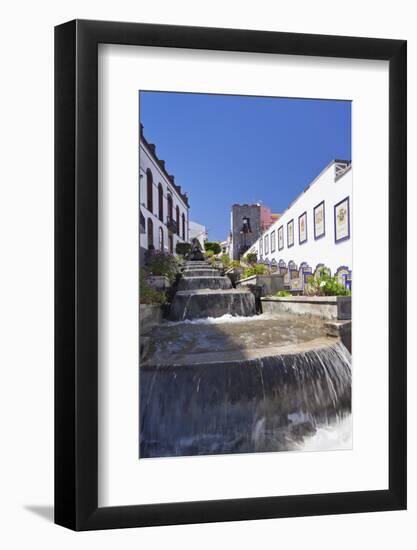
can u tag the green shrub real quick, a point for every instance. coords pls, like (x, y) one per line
(214, 246)
(235, 264)
(183, 248)
(325, 285)
(161, 263)
(147, 294)
(283, 294)
(323, 270)
(209, 253)
(257, 269)
(225, 260)
(251, 258)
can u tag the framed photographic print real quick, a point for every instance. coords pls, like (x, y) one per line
(342, 220)
(290, 233)
(169, 365)
(319, 221)
(302, 228)
(281, 237)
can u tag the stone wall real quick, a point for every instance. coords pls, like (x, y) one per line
(270, 284)
(149, 316)
(326, 307)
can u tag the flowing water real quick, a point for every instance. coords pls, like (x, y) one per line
(335, 436)
(230, 383)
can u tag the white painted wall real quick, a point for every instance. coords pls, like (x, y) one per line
(323, 250)
(147, 161)
(198, 231)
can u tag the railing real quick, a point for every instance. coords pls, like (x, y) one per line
(172, 224)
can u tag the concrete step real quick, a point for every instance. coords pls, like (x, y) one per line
(195, 283)
(197, 304)
(206, 272)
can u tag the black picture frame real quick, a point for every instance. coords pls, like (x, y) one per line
(266, 244)
(281, 229)
(317, 237)
(76, 271)
(303, 215)
(290, 223)
(346, 237)
(273, 245)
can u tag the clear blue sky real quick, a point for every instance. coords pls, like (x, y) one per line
(240, 149)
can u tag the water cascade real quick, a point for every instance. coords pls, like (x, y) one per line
(203, 292)
(243, 401)
(219, 379)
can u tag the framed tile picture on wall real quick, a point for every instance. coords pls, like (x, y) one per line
(342, 220)
(281, 237)
(266, 244)
(290, 233)
(319, 221)
(302, 228)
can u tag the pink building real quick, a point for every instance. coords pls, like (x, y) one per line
(267, 217)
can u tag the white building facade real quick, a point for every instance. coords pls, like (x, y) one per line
(199, 232)
(163, 207)
(316, 229)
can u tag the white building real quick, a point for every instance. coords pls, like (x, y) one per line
(163, 206)
(198, 231)
(315, 230)
(226, 246)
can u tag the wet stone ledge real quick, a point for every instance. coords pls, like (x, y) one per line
(325, 307)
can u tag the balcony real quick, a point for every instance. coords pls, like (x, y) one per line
(172, 225)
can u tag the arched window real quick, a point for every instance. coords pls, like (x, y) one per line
(160, 202)
(177, 210)
(170, 206)
(149, 190)
(171, 243)
(161, 239)
(183, 227)
(150, 234)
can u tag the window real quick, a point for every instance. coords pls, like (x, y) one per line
(150, 234)
(142, 223)
(161, 239)
(246, 225)
(171, 244)
(183, 227)
(177, 211)
(149, 190)
(160, 202)
(261, 251)
(170, 206)
(266, 244)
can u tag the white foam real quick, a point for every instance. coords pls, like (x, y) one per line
(227, 318)
(333, 437)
